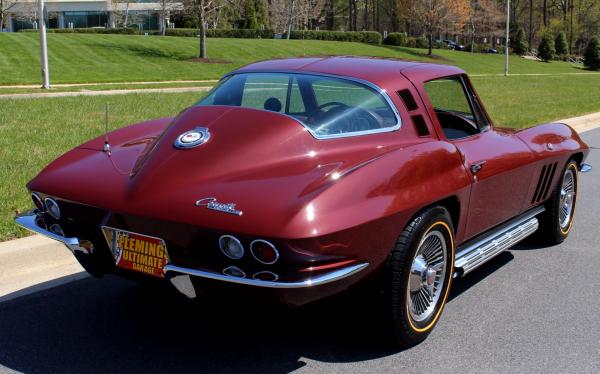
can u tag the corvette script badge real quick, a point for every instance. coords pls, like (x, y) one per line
(213, 204)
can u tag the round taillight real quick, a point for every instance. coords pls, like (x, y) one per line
(52, 208)
(264, 252)
(266, 276)
(231, 247)
(234, 271)
(37, 201)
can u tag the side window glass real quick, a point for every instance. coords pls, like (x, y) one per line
(452, 106)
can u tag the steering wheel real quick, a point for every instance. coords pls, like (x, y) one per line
(335, 104)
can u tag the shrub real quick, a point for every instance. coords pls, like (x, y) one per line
(129, 31)
(546, 49)
(421, 42)
(396, 38)
(561, 45)
(592, 55)
(371, 37)
(224, 33)
(520, 45)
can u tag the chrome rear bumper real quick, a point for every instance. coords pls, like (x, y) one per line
(29, 220)
(310, 281)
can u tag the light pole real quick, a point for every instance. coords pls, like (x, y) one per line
(507, 41)
(43, 45)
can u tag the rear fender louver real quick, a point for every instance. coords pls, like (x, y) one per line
(543, 186)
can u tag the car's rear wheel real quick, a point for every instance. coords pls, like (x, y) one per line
(420, 269)
(557, 221)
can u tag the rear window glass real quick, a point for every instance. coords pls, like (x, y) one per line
(327, 106)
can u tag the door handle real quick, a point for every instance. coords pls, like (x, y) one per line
(477, 166)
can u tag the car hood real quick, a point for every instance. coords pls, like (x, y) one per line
(265, 163)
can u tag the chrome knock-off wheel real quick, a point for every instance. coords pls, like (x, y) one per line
(567, 198)
(427, 274)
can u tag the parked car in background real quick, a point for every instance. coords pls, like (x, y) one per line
(306, 177)
(454, 45)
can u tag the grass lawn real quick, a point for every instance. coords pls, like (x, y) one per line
(121, 58)
(33, 132)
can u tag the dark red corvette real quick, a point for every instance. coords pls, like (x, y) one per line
(306, 176)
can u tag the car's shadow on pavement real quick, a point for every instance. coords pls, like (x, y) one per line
(112, 324)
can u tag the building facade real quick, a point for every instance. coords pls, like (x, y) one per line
(64, 14)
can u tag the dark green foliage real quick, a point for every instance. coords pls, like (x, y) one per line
(520, 45)
(421, 42)
(396, 38)
(262, 15)
(224, 33)
(129, 31)
(250, 21)
(370, 37)
(561, 45)
(546, 49)
(592, 55)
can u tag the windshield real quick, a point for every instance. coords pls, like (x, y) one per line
(327, 106)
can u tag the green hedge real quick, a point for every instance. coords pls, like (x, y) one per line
(396, 38)
(211, 33)
(371, 37)
(129, 31)
(223, 33)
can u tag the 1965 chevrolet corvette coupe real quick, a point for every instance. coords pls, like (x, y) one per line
(307, 176)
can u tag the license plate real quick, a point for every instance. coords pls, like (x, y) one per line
(137, 252)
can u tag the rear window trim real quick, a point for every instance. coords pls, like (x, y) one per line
(371, 85)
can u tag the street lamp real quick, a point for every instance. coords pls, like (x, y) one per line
(43, 44)
(507, 40)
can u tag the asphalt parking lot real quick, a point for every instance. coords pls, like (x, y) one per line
(532, 309)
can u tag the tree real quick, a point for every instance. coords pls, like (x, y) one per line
(520, 45)
(166, 6)
(546, 49)
(5, 6)
(437, 14)
(202, 9)
(250, 21)
(592, 55)
(262, 15)
(560, 43)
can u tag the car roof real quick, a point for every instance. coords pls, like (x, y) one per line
(376, 70)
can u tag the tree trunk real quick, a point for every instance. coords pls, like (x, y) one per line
(330, 18)
(530, 23)
(366, 16)
(163, 25)
(430, 40)
(289, 20)
(545, 10)
(202, 35)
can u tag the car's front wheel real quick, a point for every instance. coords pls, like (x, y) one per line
(419, 274)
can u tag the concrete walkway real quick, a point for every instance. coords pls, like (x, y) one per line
(103, 92)
(109, 83)
(36, 263)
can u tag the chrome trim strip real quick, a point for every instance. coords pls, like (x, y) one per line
(310, 282)
(270, 245)
(585, 168)
(371, 85)
(27, 221)
(478, 251)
